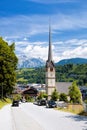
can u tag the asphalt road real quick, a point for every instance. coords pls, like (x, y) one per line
(34, 117)
(22, 121)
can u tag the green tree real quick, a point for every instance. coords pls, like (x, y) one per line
(54, 95)
(8, 65)
(42, 95)
(63, 97)
(74, 93)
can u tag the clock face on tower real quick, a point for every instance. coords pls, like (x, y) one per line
(52, 75)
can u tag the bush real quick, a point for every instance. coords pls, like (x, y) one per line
(63, 97)
(74, 93)
(42, 95)
(85, 101)
(16, 97)
(29, 98)
(54, 95)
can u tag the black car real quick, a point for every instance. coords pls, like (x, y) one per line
(51, 104)
(42, 102)
(15, 103)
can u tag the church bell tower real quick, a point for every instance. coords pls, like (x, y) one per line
(50, 70)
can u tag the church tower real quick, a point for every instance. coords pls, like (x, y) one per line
(50, 70)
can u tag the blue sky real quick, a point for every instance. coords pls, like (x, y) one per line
(26, 22)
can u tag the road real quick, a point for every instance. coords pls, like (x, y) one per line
(32, 117)
(22, 121)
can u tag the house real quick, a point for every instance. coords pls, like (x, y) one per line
(32, 92)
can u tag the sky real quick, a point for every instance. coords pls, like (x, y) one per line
(26, 23)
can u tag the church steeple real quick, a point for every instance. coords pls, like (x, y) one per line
(50, 46)
(50, 69)
(50, 62)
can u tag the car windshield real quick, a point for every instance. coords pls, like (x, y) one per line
(51, 101)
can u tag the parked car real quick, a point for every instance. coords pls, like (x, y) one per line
(42, 102)
(15, 103)
(51, 104)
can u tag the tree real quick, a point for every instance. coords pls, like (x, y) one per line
(74, 93)
(63, 97)
(54, 95)
(42, 95)
(8, 65)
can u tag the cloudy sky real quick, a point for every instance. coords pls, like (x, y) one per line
(26, 22)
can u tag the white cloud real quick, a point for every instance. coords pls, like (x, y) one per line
(21, 34)
(38, 24)
(77, 52)
(62, 50)
(36, 51)
(23, 26)
(69, 22)
(71, 49)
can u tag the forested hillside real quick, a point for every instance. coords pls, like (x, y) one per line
(72, 61)
(66, 73)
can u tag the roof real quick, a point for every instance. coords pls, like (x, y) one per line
(63, 87)
(31, 91)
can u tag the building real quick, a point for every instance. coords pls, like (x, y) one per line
(51, 84)
(50, 70)
(63, 87)
(32, 92)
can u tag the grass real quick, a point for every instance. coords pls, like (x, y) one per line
(4, 102)
(75, 109)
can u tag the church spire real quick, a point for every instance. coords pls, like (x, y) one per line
(50, 46)
(49, 62)
(50, 70)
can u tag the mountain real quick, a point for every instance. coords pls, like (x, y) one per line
(72, 61)
(25, 62)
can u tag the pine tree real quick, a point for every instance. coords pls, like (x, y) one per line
(74, 93)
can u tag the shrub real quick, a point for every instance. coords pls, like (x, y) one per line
(54, 95)
(74, 93)
(63, 97)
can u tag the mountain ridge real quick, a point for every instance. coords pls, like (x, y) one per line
(72, 61)
(25, 62)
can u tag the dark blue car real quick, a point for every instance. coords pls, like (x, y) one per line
(51, 104)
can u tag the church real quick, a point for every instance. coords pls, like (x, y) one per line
(50, 70)
(50, 79)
